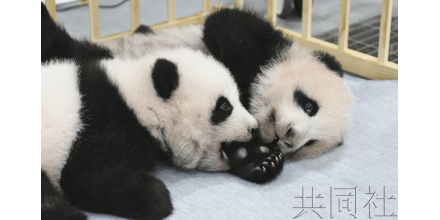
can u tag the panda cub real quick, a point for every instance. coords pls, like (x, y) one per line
(106, 121)
(297, 96)
(104, 124)
(56, 43)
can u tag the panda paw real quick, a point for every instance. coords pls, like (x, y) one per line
(269, 163)
(259, 164)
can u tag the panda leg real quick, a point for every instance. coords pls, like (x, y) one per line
(124, 192)
(254, 161)
(53, 204)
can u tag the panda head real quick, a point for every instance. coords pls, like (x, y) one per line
(188, 101)
(301, 100)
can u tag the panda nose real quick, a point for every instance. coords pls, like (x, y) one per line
(289, 134)
(254, 132)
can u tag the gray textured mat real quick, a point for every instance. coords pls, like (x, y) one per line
(357, 179)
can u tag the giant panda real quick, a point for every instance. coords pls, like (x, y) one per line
(298, 96)
(106, 121)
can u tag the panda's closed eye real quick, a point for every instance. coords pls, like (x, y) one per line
(222, 111)
(309, 105)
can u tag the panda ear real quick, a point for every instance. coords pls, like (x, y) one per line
(165, 78)
(330, 62)
(143, 29)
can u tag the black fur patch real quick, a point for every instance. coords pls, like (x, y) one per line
(143, 29)
(107, 169)
(272, 117)
(165, 78)
(219, 114)
(303, 101)
(54, 205)
(309, 143)
(330, 62)
(56, 43)
(243, 41)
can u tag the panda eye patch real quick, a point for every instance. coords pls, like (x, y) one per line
(309, 105)
(222, 111)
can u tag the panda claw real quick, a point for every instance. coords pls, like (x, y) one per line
(272, 164)
(280, 155)
(265, 163)
(277, 160)
(224, 155)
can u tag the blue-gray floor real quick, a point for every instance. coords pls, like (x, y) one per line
(350, 181)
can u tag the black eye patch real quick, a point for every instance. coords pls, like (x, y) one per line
(309, 105)
(222, 111)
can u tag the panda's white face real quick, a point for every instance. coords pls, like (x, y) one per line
(302, 103)
(202, 111)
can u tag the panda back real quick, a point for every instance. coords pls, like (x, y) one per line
(60, 115)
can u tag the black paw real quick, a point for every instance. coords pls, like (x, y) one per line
(62, 212)
(254, 161)
(269, 164)
(54, 206)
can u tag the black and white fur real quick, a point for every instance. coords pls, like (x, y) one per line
(106, 121)
(297, 96)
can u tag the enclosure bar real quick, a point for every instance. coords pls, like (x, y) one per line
(352, 61)
(307, 19)
(84, 2)
(206, 6)
(385, 30)
(114, 36)
(171, 10)
(94, 20)
(135, 14)
(272, 11)
(344, 24)
(239, 4)
(192, 19)
(52, 8)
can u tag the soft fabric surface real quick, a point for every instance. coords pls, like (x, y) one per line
(368, 158)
